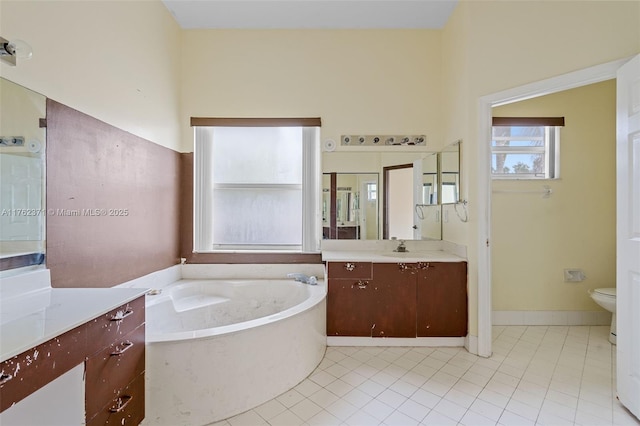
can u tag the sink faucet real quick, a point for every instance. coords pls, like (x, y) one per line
(401, 247)
(311, 280)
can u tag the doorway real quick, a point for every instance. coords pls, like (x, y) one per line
(397, 214)
(486, 103)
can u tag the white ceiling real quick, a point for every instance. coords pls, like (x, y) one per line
(311, 14)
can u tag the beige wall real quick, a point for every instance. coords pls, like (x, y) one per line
(359, 81)
(117, 61)
(491, 46)
(536, 238)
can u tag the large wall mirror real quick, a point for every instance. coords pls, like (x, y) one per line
(450, 174)
(22, 174)
(400, 192)
(380, 195)
(350, 206)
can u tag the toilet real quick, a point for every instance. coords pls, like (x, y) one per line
(606, 297)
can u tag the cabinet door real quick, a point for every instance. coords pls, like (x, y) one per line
(395, 297)
(350, 307)
(442, 300)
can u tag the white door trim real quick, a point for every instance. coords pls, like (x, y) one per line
(567, 81)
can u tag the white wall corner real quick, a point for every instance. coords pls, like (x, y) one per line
(471, 344)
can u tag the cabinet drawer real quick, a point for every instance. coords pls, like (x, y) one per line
(29, 371)
(114, 325)
(125, 409)
(112, 369)
(362, 270)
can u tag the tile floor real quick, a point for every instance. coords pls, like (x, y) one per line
(538, 375)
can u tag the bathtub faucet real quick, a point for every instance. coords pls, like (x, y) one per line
(311, 280)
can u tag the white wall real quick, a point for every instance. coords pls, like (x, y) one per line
(357, 81)
(490, 46)
(117, 61)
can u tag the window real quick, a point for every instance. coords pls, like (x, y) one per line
(257, 188)
(372, 191)
(525, 148)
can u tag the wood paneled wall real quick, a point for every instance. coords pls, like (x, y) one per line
(113, 202)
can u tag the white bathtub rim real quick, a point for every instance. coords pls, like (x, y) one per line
(317, 294)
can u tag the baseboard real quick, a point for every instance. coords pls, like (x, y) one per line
(395, 341)
(551, 318)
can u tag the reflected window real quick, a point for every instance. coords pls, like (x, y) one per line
(372, 191)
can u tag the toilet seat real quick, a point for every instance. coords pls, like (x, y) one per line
(609, 291)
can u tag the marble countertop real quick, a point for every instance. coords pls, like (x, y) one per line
(32, 318)
(390, 256)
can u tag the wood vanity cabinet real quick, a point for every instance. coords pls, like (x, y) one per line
(114, 385)
(112, 348)
(442, 299)
(427, 299)
(394, 311)
(350, 298)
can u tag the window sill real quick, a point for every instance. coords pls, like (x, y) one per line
(247, 257)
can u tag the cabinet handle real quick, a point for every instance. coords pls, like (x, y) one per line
(4, 378)
(121, 403)
(120, 350)
(360, 284)
(119, 316)
(349, 266)
(424, 265)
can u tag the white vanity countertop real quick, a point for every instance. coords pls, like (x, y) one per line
(27, 320)
(390, 256)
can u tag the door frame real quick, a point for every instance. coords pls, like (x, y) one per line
(385, 200)
(595, 74)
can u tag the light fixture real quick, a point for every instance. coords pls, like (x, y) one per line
(11, 50)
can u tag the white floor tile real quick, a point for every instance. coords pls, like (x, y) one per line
(250, 418)
(357, 398)
(378, 409)
(291, 398)
(460, 398)
(414, 410)
(308, 387)
(510, 419)
(324, 398)
(324, 418)
(287, 418)
(542, 375)
(398, 418)
(486, 409)
(450, 409)
(270, 409)
(426, 398)
(435, 418)
(474, 419)
(362, 418)
(391, 398)
(341, 409)
(305, 409)
(339, 387)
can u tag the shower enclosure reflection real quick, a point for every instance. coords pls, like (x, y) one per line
(22, 166)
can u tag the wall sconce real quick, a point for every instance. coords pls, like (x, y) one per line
(11, 50)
